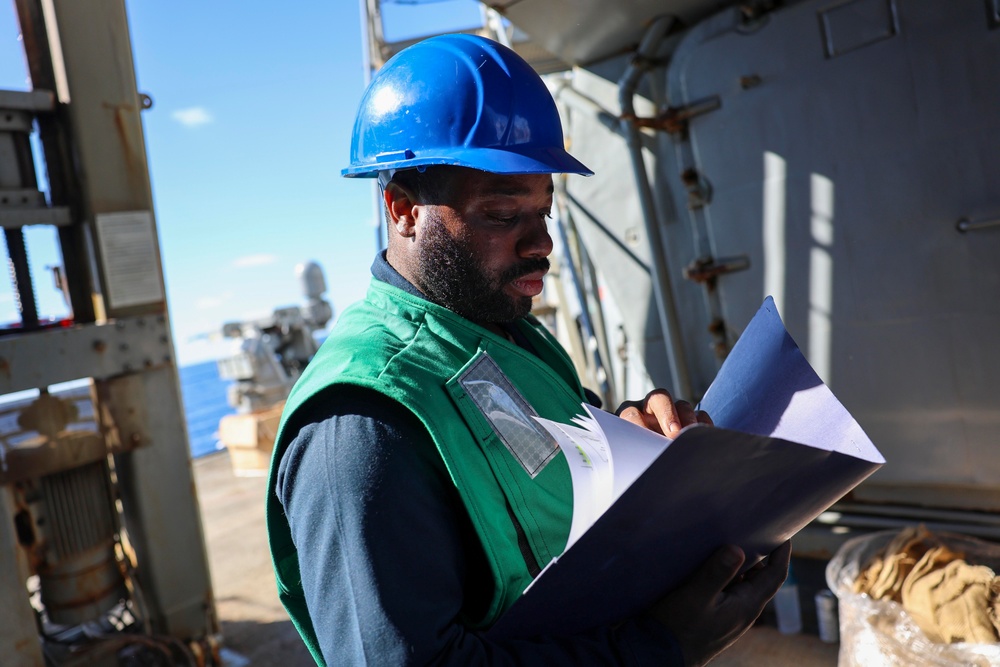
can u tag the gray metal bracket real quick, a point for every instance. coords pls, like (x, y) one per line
(99, 351)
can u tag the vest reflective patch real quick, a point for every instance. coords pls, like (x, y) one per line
(508, 414)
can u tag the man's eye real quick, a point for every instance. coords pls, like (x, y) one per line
(504, 219)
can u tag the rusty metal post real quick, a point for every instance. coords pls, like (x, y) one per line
(85, 51)
(15, 182)
(63, 188)
(19, 644)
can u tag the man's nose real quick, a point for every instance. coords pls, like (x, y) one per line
(536, 241)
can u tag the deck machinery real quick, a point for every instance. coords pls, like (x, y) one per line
(102, 555)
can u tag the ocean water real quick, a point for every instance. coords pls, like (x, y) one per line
(205, 403)
(203, 395)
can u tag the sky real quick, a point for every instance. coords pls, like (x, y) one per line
(253, 107)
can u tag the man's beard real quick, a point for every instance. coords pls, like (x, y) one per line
(451, 277)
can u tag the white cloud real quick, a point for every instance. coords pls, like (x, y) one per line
(254, 260)
(210, 302)
(192, 117)
(200, 350)
(259, 314)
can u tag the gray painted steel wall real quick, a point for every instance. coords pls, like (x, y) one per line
(851, 139)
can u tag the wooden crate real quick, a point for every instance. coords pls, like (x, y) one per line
(250, 439)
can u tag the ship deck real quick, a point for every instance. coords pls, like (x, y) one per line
(256, 631)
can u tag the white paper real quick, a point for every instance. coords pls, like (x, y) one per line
(634, 447)
(130, 258)
(783, 450)
(599, 472)
(591, 470)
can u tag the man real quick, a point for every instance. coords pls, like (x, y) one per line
(411, 497)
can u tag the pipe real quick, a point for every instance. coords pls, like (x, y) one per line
(662, 287)
(591, 343)
(574, 98)
(600, 324)
(371, 40)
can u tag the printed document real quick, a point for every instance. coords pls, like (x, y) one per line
(647, 510)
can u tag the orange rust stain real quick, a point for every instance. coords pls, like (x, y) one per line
(131, 144)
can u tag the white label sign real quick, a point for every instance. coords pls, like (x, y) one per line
(128, 251)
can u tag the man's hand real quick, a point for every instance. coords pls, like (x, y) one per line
(659, 412)
(711, 610)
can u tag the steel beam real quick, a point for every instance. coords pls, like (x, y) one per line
(19, 643)
(100, 351)
(92, 72)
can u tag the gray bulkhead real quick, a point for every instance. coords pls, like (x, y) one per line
(846, 147)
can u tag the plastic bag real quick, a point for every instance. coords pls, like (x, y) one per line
(879, 633)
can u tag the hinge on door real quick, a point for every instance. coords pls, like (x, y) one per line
(698, 188)
(706, 270)
(674, 120)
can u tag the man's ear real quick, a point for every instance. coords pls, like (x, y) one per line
(401, 205)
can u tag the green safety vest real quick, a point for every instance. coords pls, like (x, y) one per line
(471, 389)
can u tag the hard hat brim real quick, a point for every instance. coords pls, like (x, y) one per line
(509, 160)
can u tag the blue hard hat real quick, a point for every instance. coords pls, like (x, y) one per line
(459, 100)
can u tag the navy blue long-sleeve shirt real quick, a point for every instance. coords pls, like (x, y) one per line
(391, 565)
